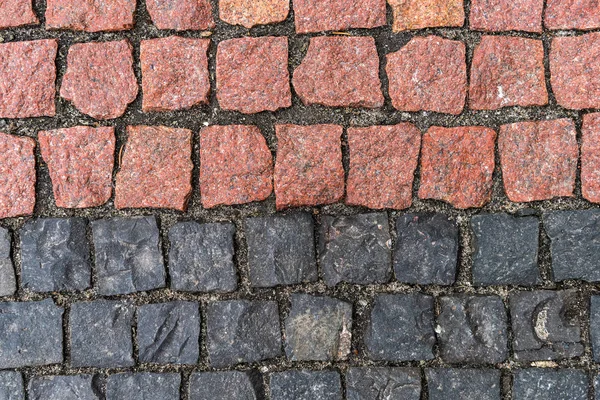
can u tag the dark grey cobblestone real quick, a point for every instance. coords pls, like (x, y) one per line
(11, 386)
(227, 385)
(377, 383)
(306, 385)
(595, 326)
(548, 384)
(143, 386)
(463, 384)
(73, 387)
(8, 282)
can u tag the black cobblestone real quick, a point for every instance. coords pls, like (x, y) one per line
(227, 385)
(8, 282)
(376, 383)
(306, 385)
(463, 384)
(11, 386)
(73, 387)
(548, 384)
(143, 386)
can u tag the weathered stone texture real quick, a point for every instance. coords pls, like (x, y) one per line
(17, 175)
(143, 385)
(506, 15)
(181, 15)
(15, 13)
(374, 383)
(419, 14)
(90, 15)
(8, 281)
(306, 385)
(464, 384)
(249, 13)
(595, 327)
(550, 384)
(11, 386)
(590, 157)
(337, 15)
(72, 387)
(226, 385)
(572, 14)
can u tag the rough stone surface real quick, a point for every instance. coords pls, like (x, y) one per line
(546, 324)
(55, 255)
(506, 15)
(572, 14)
(101, 334)
(30, 334)
(11, 386)
(337, 15)
(27, 75)
(308, 169)
(401, 328)
(281, 250)
(548, 384)
(595, 327)
(201, 257)
(252, 74)
(457, 165)
(507, 71)
(464, 384)
(249, 13)
(90, 15)
(505, 250)
(143, 386)
(374, 383)
(419, 14)
(428, 74)
(99, 79)
(168, 333)
(181, 15)
(17, 175)
(355, 249)
(306, 385)
(472, 329)
(236, 165)
(590, 157)
(383, 160)
(227, 385)
(340, 71)
(15, 13)
(573, 244)
(538, 159)
(242, 331)
(575, 71)
(174, 73)
(73, 387)
(8, 282)
(426, 251)
(128, 255)
(318, 328)
(156, 168)
(80, 162)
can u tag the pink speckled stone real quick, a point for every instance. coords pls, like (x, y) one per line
(17, 176)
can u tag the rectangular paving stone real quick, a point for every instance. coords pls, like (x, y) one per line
(546, 324)
(507, 15)
(337, 15)
(14, 13)
(306, 385)
(472, 329)
(17, 175)
(201, 257)
(249, 13)
(8, 281)
(400, 328)
(355, 249)
(426, 251)
(505, 250)
(181, 15)
(590, 157)
(11, 386)
(128, 255)
(595, 326)
(101, 334)
(55, 255)
(281, 249)
(573, 244)
(169, 333)
(549, 384)
(376, 383)
(464, 384)
(143, 386)
(572, 14)
(242, 331)
(90, 15)
(30, 334)
(419, 14)
(72, 387)
(225, 385)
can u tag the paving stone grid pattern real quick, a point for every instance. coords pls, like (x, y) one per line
(471, 273)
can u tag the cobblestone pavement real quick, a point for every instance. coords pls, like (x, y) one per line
(299, 199)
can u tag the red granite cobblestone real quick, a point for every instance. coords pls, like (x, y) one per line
(90, 15)
(15, 13)
(572, 14)
(506, 15)
(249, 13)
(590, 157)
(181, 15)
(337, 15)
(17, 176)
(419, 14)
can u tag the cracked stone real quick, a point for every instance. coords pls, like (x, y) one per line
(472, 329)
(80, 161)
(17, 175)
(548, 384)
(128, 255)
(306, 385)
(594, 326)
(201, 257)
(249, 13)
(506, 15)
(73, 387)
(590, 157)
(156, 168)
(242, 331)
(236, 165)
(99, 80)
(252, 74)
(90, 15)
(15, 13)
(428, 74)
(573, 244)
(340, 71)
(318, 328)
(546, 324)
(168, 333)
(27, 73)
(569, 14)
(507, 71)
(505, 250)
(143, 385)
(225, 385)
(30, 334)
(338, 15)
(426, 251)
(101, 334)
(281, 250)
(419, 14)
(374, 383)
(401, 328)
(11, 386)
(55, 255)
(355, 249)
(465, 384)
(8, 281)
(181, 15)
